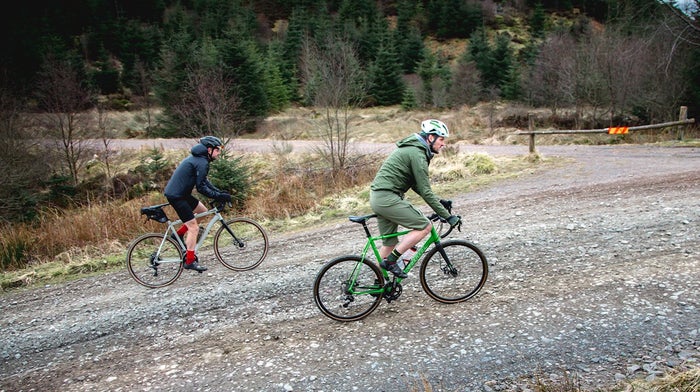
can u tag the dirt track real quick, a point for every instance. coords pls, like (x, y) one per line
(594, 271)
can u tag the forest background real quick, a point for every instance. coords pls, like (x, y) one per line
(222, 67)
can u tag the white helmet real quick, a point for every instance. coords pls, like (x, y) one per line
(436, 127)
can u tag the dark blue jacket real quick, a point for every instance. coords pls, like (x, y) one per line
(192, 172)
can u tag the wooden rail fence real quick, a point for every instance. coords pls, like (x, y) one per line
(682, 120)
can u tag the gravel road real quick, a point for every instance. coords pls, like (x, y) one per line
(594, 274)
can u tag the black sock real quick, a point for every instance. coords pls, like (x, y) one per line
(393, 256)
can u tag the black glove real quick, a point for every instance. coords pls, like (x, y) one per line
(447, 204)
(223, 197)
(454, 220)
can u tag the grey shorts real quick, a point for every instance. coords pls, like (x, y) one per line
(393, 212)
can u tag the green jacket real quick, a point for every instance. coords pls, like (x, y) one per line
(407, 168)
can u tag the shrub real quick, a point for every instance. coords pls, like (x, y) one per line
(480, 163)
(150, 175)
(231, 174)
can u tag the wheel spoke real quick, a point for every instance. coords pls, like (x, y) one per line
(346, 288)
(151, 264)
(457, 279)
(242, 248)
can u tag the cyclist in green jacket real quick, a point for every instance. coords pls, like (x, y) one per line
(407, 168)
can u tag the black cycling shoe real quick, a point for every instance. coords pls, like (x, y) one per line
(394, 269)
(194, 266)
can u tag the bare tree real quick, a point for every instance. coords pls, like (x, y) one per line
(621, 66)
(466, 84)
(65, 119)
(335, 82)
(685, 22)
(207, 104)
(23, 159)
(107, 134)
(551, 80)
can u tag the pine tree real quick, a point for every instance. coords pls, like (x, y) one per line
(386, 84)
(537, 20)
(511, 89)
(408, 101)
(407, 36)
(276, 90)
(426, 70)
(480, 52)
(242, 62)
(503, 62)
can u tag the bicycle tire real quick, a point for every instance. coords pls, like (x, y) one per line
(143, 266)
(244, 252)
(461, 284)
(330, 288)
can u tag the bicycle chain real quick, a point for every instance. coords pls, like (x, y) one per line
(392, 291)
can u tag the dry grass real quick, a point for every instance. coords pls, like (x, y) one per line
(685, 380)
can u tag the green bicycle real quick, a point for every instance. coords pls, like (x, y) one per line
(349, 288)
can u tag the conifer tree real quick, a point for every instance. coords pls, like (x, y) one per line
(408, 101)
(386, 84)
(436, 78)
(537, 20)
(480, 52)
(242, 62)
(426, 70)
(503, 62)
(276, 90)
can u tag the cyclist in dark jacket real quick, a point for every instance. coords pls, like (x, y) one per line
(192, 172)
(407, 168)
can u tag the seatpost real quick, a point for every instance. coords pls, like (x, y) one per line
(364, 226)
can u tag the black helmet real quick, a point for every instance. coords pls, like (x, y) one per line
(212, 141)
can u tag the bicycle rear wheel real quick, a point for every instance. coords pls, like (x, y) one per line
(242, 248)
(348, 288)
(459, 280)
(151, 264)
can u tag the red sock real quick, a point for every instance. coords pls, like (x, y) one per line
(190, 256)
(182, 230)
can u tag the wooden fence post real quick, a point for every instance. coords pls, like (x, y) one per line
(683, 115)
(531, 128)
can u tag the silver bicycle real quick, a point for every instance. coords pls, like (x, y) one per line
(156, 259)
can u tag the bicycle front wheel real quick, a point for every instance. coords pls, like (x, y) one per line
(458, 279)
(241, 244)
(348, 288)
(151, 264)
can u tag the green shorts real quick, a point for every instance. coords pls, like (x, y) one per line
(392, 211)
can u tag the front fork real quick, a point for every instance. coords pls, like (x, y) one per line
(447, 268)
(238, 242)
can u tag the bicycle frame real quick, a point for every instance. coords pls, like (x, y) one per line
(216, 218)
(172, 224)
(433, 238)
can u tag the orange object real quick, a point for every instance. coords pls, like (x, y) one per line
(618, 130)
